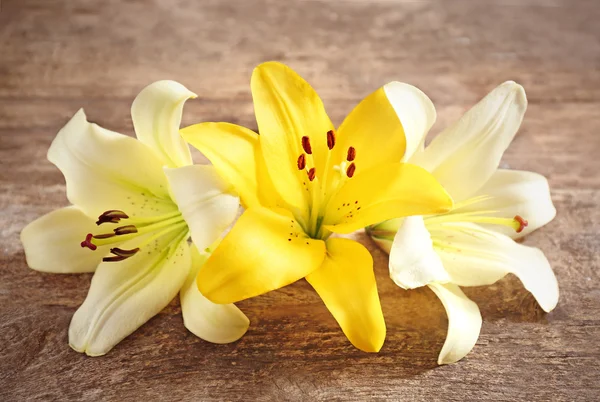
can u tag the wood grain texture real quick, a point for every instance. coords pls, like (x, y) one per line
(58, 55)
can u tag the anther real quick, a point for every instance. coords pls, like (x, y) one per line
(350, 170)
(120, 254)
(330, 139)
(111, 216)
(88, 242)
(124, 253)
(125, 230)
(306, 145)
(311, 174)
(351, 154)
(301, 162)
(104, 236)
(115, 258)
(522, 223)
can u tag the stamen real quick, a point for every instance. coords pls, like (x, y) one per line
(306, 145)
(115, 258)
(88, 242)
(330, 139)
(104, 236)
(301, 162)
(351, 169)
(111, 216)
(311, 174)
(522, 223)
(102, 220)
(124, 253)
(351, 154)
(125, 230)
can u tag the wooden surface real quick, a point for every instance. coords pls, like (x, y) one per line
(58, 55)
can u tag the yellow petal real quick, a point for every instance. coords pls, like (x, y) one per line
(264, 251)
(124, 295)
(52, 242)
(385, 192)
(204, 200)
(288, 108)
(516, 192)
(346, 283)
(386, 125)
(464, 322)
(106, 170)
(235, 152)
(217, 323)
(465, 155)
(156, 114)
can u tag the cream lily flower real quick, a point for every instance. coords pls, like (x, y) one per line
(301, 181)
(473, 244)
(135, 204)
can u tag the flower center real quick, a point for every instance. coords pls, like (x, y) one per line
(318, 186)
(155, 227)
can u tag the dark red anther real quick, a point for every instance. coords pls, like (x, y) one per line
(311, 174)
(301, 162)
(351, 154)
(124, 253)
(111, 216)
(88, 242)
(104, 236)
(330, 139)
(115, 258)
(522, 223)
(350, 170)
(306, 145)
(127, 229)
(120, 254)
(102, 220)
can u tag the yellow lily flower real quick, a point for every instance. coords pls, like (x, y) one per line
(473, 245)
(135, 204)
(301, 180)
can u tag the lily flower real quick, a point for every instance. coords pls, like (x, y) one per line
(135, 204)
(301, 181)
(473, 244)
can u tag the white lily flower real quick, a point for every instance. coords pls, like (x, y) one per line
(135, 205)
(473, 244)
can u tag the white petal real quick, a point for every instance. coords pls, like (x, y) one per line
(465, 155)
(205, 201)
(106, 170)
(217, 323)
(156, 114)
(413, 261)
(464, 322)
(415, 111)
(516, 192)
(475, 256)
(52, 243)
(124, 295)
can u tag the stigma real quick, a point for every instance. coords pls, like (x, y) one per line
(521, 222)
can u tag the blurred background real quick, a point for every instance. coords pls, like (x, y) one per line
(57, 56)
